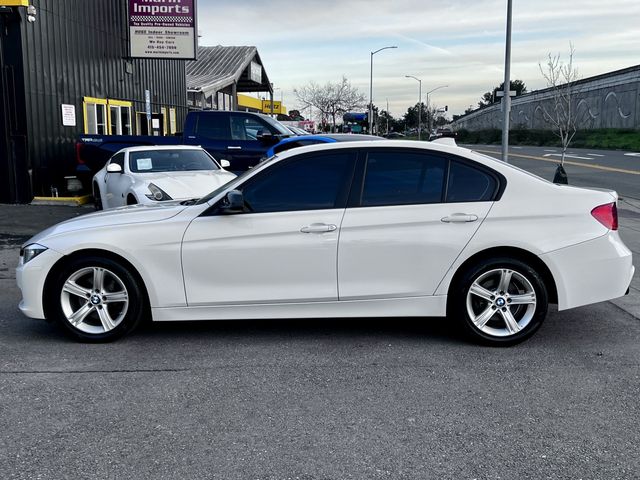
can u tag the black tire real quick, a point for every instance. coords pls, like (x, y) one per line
(117, 279)
(97, 199)
(527, 285)
(131, 200)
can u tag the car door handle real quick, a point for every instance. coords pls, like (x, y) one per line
(460, 218)
(230, 147)
(318, 228)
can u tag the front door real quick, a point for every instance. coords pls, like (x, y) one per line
(116, 184)
(414, 214)
(283, 248)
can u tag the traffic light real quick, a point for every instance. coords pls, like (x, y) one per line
(446, 108)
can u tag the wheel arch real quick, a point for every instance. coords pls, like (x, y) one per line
(514, 252)
(53, 272)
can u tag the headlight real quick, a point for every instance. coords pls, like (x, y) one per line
(30, 252)
(157, 193)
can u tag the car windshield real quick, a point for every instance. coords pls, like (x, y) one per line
(152, 161)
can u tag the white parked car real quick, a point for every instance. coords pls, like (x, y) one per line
(361, 229)
(152, 174)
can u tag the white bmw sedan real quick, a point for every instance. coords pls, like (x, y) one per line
(152, 174)
(358, 229)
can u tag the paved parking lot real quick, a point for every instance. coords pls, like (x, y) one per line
(320, 399)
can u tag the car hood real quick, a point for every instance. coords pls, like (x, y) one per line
(111, 218)
(183, 185)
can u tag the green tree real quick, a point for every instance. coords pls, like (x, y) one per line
(491, 97)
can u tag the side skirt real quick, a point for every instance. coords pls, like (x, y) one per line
(432, 306)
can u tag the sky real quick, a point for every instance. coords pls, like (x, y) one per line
(456, 43)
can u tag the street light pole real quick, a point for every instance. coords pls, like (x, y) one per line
(371, 88)
(419, 104)
(506, 100)
(429, 106)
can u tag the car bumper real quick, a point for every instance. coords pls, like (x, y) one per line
(30, 279)
(591, 272)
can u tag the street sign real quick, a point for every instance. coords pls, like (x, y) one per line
(512, 93)
(147, 103)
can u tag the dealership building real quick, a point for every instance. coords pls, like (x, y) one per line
(73, 67)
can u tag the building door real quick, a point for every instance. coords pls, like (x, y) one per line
(14, 177)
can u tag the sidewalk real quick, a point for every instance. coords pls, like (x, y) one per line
(19, 222)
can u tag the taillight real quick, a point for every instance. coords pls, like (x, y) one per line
(78, 154)
(607, 215)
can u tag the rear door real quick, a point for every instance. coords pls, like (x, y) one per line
(212, 131)
(412, 215)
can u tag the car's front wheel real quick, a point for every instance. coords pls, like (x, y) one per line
(95, 299)
(499, 302)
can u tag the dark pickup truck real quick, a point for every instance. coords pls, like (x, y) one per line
(243, 138)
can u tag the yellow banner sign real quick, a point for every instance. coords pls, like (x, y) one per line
(266, 107)
(14, 3)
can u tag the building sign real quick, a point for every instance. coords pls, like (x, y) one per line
(163, 29)
(147, 104)
(255, 72)
(68, 115)
(14, 3)
(266, 107)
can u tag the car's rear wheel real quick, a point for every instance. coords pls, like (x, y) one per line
(95, 299)
(131, 200)
(499, 302)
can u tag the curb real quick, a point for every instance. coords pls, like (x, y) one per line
(68, 201)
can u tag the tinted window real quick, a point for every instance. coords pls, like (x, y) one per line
(469, 184)
(312, 182)
(400, 178)
(118, 159)
(215, 127)
(247, 128)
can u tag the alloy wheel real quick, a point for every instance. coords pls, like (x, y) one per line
(501, 302)
(94, 300)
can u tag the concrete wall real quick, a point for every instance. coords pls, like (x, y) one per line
(611, 100)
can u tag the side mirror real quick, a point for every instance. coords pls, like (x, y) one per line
(225, 163)
(233, 202)
(265, 136)
(114, 168)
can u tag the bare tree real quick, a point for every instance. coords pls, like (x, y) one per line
(331, 99)
(561, 78)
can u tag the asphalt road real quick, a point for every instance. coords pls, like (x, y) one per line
(320, 399)
(617, 170)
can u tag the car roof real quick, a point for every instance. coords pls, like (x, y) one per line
(449, 148)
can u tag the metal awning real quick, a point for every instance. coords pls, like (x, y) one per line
(219, 67)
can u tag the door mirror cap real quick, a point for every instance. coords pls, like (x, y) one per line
(265, 136)
(233, 202)
(114, 168)
(225, 163)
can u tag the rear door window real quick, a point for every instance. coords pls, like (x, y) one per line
(214, 126)
(402, 178)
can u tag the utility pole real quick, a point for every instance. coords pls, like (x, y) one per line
(506, 100)
(419, 104)
(387, 116)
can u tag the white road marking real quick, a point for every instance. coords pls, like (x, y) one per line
(566, 156)
(595, 155)
(632, 154)
(551, 151)
(517, 148)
